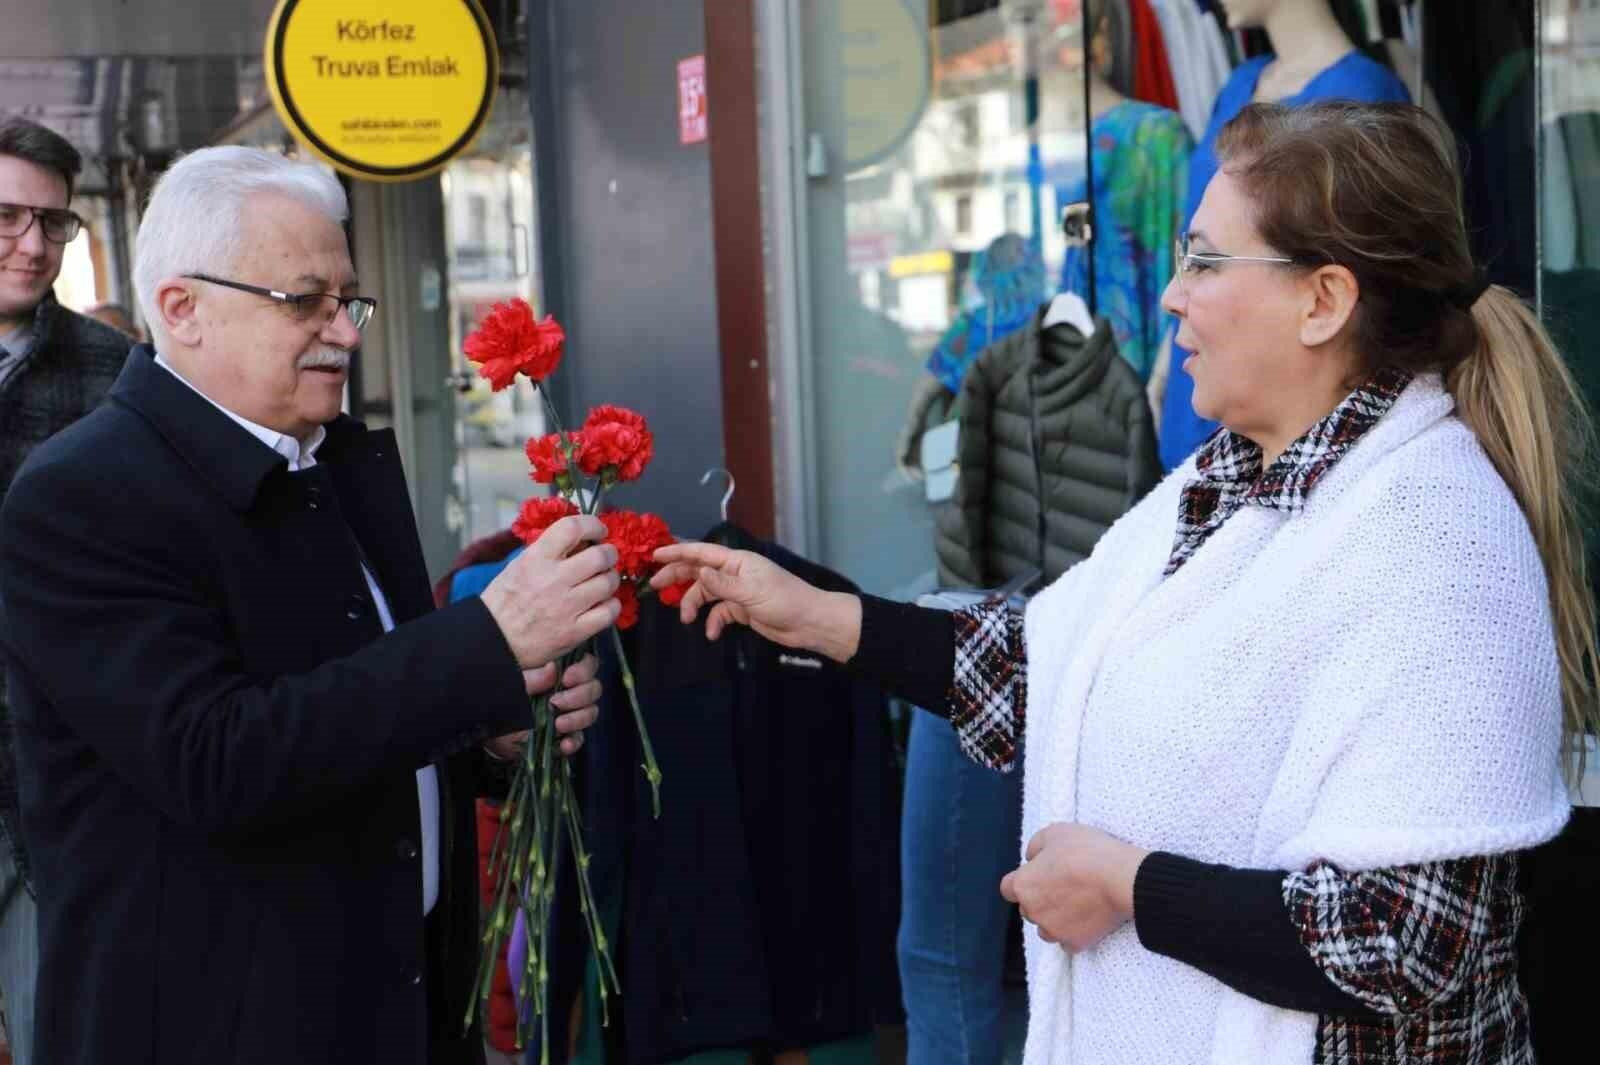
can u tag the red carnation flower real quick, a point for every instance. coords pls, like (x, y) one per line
(673, 594)
(629, 598)
(510, 341)
(616, 443)
(636, 538)
(548, 457)
(538, 514)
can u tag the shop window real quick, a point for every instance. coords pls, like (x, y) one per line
(926, 179)
(969, 127)
(964, 216)
(477, 220)
(1569, 183)
(956, 10)
(488, 206)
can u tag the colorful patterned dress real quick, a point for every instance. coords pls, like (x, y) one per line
(1141, 169)
(1008, 279)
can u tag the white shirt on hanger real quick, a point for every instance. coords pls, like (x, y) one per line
(1411, 25)
(1193, 104)
(1217, 68)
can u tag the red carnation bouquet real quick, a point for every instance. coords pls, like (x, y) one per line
(582, 466)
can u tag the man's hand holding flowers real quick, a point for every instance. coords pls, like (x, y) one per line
(578, 703)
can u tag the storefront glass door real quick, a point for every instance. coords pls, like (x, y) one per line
(489, 231)
(922, 216)
(1569, 181)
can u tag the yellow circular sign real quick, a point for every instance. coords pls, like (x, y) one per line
(389, 90)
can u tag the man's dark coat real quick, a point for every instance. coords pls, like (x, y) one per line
(217, 746)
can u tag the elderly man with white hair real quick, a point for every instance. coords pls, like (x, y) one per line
(245, 742)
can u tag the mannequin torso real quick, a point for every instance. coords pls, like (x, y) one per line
(1306, 40)
(1102, 97)
(1318, 62)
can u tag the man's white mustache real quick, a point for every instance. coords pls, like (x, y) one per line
(323, 356)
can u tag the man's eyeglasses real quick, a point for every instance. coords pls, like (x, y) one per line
(58, 224)
(1190, 264)
(320, 308)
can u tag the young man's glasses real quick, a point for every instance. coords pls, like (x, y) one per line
(58, 224)
(320, 308)
(1191, 264)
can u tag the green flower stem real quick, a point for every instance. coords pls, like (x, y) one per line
(550, 408)
(652, 771)
(586, 899)
(550, 797)
(527, 988)
(516, 861)
(542, 805)
(503, 859)
(591, 911)
(570, 452)
(520, 858)
(542, 891)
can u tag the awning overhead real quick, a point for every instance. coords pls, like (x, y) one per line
(117, 107)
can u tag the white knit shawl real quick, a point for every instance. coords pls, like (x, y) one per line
(1371, 682)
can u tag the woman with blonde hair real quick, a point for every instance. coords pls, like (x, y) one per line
(1290, 725)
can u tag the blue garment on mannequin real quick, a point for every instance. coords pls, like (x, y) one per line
(1355, 77)
(1008, 279)
(1141, 155)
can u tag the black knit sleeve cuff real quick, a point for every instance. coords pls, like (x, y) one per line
(1167, 891)
(908, 651)
(1233, 925)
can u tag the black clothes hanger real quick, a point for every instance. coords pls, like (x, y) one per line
(731, 534)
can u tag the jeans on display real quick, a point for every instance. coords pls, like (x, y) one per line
(19, 956)
(960, 834)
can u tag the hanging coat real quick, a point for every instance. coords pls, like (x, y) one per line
(1057, 442)
(760, 910)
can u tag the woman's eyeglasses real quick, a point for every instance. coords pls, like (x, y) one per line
(320, 308)
(1190, 264)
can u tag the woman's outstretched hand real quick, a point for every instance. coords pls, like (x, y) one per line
(743, 588)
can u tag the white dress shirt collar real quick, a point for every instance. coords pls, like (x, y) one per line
(301, 457)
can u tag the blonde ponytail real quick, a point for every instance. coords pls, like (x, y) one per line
(1516, 393)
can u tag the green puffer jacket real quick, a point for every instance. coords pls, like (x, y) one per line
(1090, 425)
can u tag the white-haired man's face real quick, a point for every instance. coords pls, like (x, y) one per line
(282, 365)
